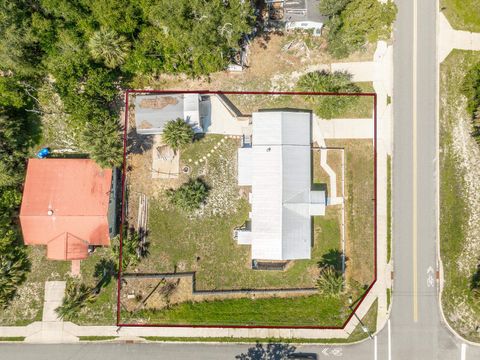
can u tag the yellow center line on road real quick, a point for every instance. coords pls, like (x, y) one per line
(414, 139)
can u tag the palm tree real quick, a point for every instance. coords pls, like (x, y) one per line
(77, 295)
(330, 282)
(14, 265)
(177, 133)
(133, 249)
(103, 142)
(109, 47)
(190, 196)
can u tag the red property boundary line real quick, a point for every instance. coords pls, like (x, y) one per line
(352, 314)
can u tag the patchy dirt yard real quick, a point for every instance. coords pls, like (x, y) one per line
(28, 304)
(289, 57)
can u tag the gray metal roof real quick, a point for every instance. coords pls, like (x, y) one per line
(152, 112)
(281, 185)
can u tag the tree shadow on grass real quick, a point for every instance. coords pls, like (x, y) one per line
(104, 271)
(137, 143)
(333, 258)
(272, 351)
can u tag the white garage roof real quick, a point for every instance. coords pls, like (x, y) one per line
(281, 184)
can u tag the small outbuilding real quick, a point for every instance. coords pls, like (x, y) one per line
(65, 206)
(153, 111)
(296, 14)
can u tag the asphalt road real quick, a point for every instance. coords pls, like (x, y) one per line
(417, 331)
(176, 352)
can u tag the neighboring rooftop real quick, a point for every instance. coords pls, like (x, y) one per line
(152, 111)
(278, 167)
(65, 206)
(298, 10)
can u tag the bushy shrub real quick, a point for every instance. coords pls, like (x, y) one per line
(329, 106)
(471, 89)
(330, 282)
(132, 248)
(190, 196)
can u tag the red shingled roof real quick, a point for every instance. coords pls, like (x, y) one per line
(65, 206)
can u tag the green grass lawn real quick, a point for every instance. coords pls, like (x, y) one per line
(96, 338)
(462, 14)
(370, 321)
(389, 297)
(305, 310)
(359, 206)
(461, 309)
(12, 338)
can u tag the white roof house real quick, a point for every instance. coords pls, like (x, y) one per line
(298, 14)
(278, 167)
(153, 111)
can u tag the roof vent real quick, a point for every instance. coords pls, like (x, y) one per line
(50, 212)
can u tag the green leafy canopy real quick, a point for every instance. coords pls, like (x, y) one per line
(329, 107)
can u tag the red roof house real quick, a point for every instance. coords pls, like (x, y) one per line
(65, 206)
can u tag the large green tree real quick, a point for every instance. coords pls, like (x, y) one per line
(103, 141)
(360, 22)
(14, 264)
(108, 46)
(195, 37)
(332, 7)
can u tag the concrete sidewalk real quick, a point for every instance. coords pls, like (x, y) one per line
(450, 39)
(342, 128)
(51, 329)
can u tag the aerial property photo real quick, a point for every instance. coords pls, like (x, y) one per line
(240, 179)
(196, 171)
(242, 215)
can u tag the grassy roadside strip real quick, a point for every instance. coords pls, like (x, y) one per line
(389, 208)
(370, 321)
(389, 298)
(462, 14)
(12, 338)
(312, 310)
(96, 338)
(461, 309)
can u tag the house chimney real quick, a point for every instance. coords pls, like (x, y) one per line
(50, 212)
